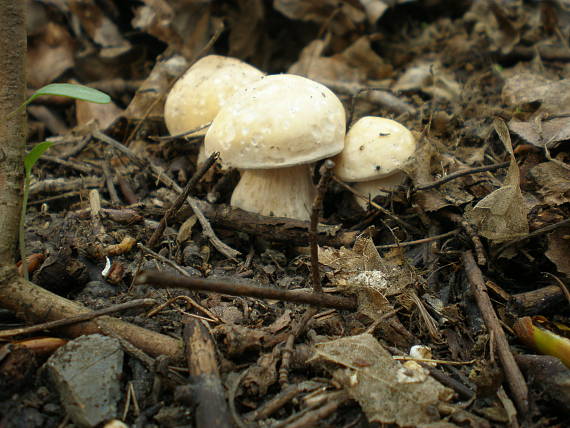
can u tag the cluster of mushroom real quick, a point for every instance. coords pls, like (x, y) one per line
(272, 128)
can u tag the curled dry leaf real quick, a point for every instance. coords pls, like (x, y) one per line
(502, 215)
(387, 391)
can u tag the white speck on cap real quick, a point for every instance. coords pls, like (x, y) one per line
(198, 95)
(278, 121)
(375, 147)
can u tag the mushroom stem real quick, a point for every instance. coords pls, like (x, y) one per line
(283, 192)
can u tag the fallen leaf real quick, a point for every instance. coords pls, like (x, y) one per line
(502, 215)
(387, 391)
(362, 271)
(553, 181)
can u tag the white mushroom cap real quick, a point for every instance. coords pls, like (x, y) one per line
(375, 147)
(278, 121)
(196, 98)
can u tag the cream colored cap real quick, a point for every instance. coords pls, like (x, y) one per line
(375, 147)
(278, 121)
(196, 98)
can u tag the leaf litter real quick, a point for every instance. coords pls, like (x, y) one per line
(453, 72)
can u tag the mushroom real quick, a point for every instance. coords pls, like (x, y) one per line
(376, 150)
(271, 130)
(197, 97)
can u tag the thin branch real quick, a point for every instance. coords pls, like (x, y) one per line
(463, 173)
(78, 318)
(163, 280)
(419, 241)
(384, 211)
(171, 212)
(537, 232)
(326, 174)
(515, 379)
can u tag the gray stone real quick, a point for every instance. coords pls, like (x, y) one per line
(86, 373)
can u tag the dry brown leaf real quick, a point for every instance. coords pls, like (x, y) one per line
(104, 114)
(491, 19)
(99, 27)
(559, 249)
(150, 93)
(525, 88)
(541, 131)
(387, 391)
(49, 55)
(314, 66)
(321, 12)
(550, 124)
(431, 78)
(362, 271)
(502, 215)
(554, 182)
(357, 63)
(186, 25)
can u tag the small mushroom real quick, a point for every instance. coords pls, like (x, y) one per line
(376, 150)
(271, 130)
(197, 97)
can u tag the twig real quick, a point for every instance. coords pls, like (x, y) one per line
(95, 206)
(277, 402)
(560, 284)
(446, 380)
(207, 230)
(169, 214)
(375, 95)
(181, 135)
(167, 181)
(537, 232)
(314, 417)
(191, 302)
(206, 393)
(78, 318)
(419, 241)
(163, 259)
(159, 279)
(232, 393)
(463, 173)
(514, 377)
(110, 186)
(81, 167)
(475, 239)
(380, 208)
(288, 349)
(326, 174)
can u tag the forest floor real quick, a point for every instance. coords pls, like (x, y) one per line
(469, 256)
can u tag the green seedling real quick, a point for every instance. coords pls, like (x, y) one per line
(78, 92)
